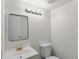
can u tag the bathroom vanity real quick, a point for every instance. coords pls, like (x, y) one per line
(17, 30)
(26, 53)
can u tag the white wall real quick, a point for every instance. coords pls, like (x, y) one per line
(64, 30)
(3, 26)
(39, 26)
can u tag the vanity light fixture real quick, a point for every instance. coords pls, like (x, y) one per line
(33, 11)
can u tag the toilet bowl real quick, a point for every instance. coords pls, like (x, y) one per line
(52, 57)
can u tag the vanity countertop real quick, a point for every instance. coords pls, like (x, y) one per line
(23, 54)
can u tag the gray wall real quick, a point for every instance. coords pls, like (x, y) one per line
(39, 26)
(64, 30)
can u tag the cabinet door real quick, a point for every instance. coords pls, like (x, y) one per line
(18, 27)
(35, 57)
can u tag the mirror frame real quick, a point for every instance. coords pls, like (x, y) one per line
(27, 26)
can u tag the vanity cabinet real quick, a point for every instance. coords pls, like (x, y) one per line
(34, 57)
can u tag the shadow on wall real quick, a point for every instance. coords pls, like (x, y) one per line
(53, 53)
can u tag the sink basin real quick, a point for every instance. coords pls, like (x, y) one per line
(23, 54)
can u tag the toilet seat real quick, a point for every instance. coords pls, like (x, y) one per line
(52, 57)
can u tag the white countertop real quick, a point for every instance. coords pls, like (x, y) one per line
(24, 54)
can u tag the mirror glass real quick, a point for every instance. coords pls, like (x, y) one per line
(18, 27)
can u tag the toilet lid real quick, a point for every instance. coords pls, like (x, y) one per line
(52, 57)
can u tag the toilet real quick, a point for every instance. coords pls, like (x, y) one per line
(45, 51)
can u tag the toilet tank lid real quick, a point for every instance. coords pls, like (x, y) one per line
(45, 44)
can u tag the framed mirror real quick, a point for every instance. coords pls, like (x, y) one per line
(18, 27)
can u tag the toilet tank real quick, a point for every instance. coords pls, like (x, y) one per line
(45, 49)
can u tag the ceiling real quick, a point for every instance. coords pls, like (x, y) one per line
(47, 4)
